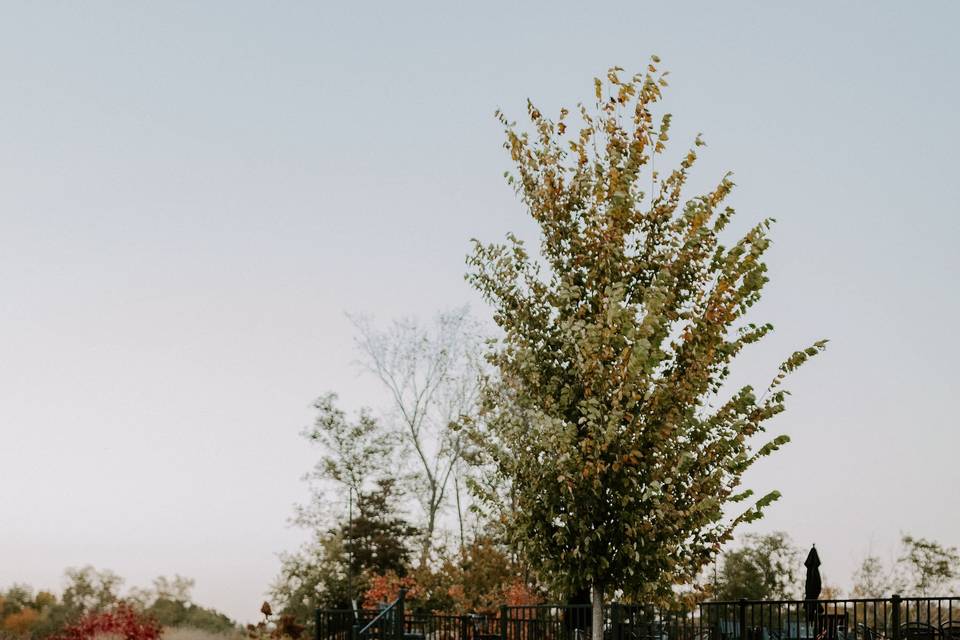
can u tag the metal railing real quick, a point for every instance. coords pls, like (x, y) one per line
(533, 622)
(894, 618)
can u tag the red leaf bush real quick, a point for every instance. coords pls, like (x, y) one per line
(123, 621)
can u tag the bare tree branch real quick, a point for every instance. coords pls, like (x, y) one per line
(431, 374)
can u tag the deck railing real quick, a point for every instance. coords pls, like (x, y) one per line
(893, 618)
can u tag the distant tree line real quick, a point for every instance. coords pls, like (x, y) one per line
(25, 613)
(770, 567)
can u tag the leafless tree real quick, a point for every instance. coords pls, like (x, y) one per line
(431, 373)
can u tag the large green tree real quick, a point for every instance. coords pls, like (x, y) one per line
(608, 419)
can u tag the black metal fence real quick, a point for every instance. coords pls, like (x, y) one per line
(892, 618)
(533, 622)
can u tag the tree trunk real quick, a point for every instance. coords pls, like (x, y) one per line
(456, 486)
(596, 623)
(431, 525)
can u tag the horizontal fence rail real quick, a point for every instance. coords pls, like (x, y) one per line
(893, 618)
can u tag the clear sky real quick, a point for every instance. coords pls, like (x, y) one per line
(192, 194)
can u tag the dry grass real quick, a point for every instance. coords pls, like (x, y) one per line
(187, 633)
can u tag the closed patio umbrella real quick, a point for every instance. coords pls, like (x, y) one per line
(812, 585)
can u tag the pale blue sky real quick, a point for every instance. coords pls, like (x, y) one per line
(191, 194)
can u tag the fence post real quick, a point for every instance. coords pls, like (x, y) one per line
(895, 616)
(743, 618)
(700, 620)
(503, 622)
(355, 632)
(399, 613)
(463, 627)
(317, 624)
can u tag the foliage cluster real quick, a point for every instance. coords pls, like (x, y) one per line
(762, 567)
(122, 621)
(339, 562)
(89, 593)
(478, 577)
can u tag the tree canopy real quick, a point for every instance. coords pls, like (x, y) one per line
(608, 417)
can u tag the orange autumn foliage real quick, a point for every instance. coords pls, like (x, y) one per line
(518, 594)
(21, 621)
(386, 588)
